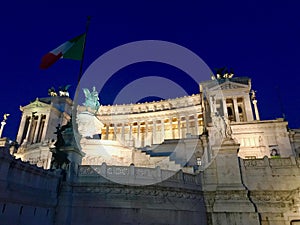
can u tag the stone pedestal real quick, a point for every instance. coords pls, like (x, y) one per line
(75, 156)
(88, 124)
(228, 172)
(232, 204)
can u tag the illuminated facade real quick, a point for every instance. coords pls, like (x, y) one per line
(214, 186)
(148, 125)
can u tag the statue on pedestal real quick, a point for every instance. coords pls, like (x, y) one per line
(88, 123)
(60, 158)
(253, 95)
(228, 131)
(91, 98)
(222, 126)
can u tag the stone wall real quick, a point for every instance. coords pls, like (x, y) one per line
(258, 138)
(231, 191)
(94, 199)
(274, 186)
(251, 191)
(28, 194)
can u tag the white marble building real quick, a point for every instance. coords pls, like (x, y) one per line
(148, 125)
(131, 174)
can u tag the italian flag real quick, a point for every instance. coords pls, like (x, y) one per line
(71, 49)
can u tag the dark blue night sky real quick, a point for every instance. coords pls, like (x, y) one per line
(259, 39)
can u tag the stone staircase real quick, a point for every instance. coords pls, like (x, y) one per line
(178, 151)
(113, 153)
(169, 148)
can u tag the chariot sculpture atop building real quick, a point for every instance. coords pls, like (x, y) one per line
(91, 98)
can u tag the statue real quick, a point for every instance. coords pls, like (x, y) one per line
(224, 73)
(253, 95)
(5, 116)
(222, 124)
(63, 91)
(52, 92)
(59, 158)
(91, 98)
(218, 125)
(228, 131)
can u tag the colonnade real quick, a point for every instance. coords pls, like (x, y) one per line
(32, 128)
(237, 109)
(147, 131)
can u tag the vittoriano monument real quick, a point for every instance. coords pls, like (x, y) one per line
(206, 158)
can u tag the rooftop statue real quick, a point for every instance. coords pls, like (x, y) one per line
(222, 73)
(253, 95)
(91, 98)
(52, 92)
(63, 91)
(5, 116)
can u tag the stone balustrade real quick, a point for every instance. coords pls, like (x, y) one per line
(136, 175)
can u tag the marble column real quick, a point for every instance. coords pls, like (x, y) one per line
(248, 108)
(2, 127)
(178, 127)
(236, 110)
(130, 131)
(154, 139)
(45, 128)
(146, 132)
(196, 124)
(37, 129)
(187, 124)
(123, 133)
(138, 134)
(224, 108)
(171, 127)
(162, 130)
(115, 132)
(29, 128)
(107, 132)
(21, 129)
(256, 109)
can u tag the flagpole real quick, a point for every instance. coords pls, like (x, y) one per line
(83, 51)
(75, 103)
(82, 58)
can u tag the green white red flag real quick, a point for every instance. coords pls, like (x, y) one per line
(71, 49)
